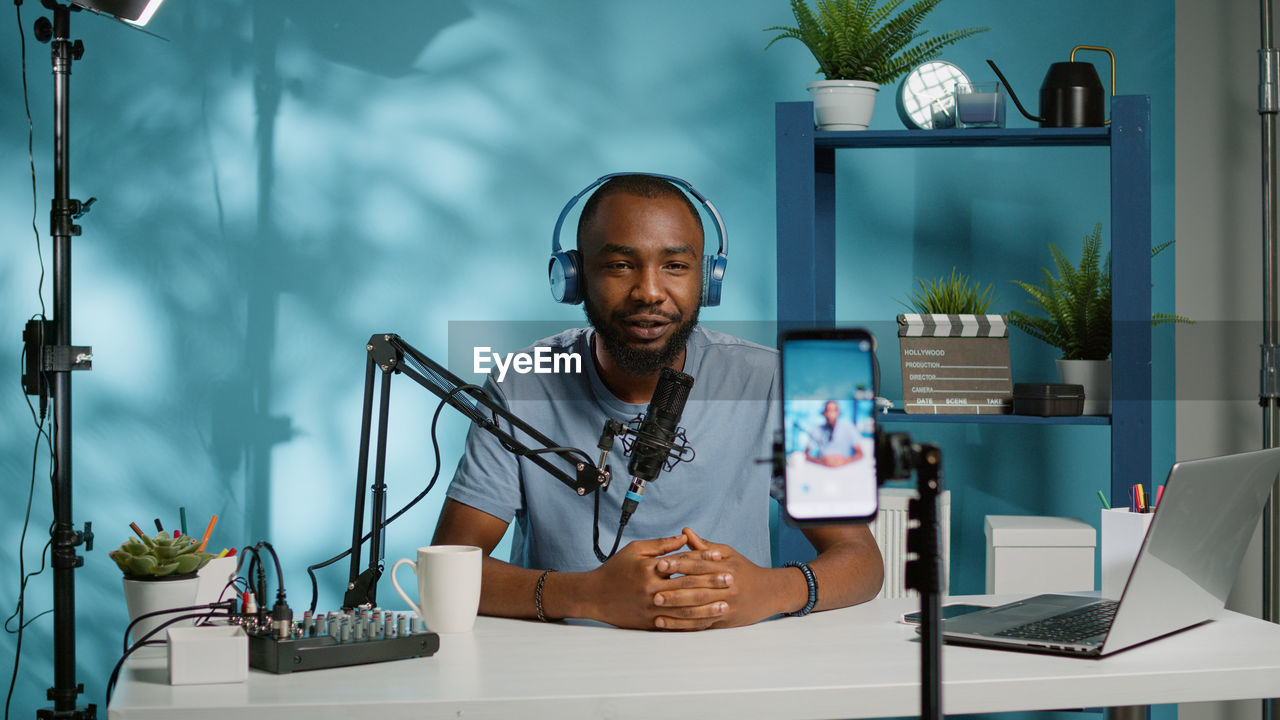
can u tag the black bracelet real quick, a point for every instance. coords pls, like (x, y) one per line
(537, 594)
(813, 587)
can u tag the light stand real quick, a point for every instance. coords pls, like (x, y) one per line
(51, 358)
(1269, 393)
(50, 355)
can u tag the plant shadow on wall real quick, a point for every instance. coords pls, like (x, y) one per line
(861, 45)
(356, 36)
(280, 260)
(211, 217)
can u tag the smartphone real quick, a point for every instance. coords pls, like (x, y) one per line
(948, 611)
(828, 426)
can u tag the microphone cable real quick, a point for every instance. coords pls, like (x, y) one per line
(39, 419)
(595, 531)
(203, 612)
(431, 483)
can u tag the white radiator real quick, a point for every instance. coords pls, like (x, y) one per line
(890, 530)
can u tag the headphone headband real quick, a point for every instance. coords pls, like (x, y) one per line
(566, 265)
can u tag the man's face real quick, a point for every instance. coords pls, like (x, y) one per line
(831, 412)
(643, 268)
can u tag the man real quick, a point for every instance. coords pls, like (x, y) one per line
(835, 442)
(698, 555)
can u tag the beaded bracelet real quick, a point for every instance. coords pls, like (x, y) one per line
(537, 594)
(813, 587)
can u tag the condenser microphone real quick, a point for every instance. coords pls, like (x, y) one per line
(657, 434)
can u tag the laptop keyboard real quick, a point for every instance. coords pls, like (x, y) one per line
(1070, 627)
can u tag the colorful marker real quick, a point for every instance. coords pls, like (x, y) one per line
(207, 532)
(1105, 504)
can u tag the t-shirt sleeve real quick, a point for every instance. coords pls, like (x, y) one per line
(488, 476)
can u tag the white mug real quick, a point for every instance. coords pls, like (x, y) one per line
(448, 586)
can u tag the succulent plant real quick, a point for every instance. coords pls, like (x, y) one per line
(160, 556)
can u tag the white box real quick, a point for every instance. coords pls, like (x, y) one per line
(1122, 536)
(207, 655)
(1034, 554)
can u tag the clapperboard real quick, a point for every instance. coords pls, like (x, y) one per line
(955, 364)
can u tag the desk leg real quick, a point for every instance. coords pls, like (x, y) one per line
(1128, 712)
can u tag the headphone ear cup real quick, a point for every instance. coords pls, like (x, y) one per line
(713, 267)
(564, 273)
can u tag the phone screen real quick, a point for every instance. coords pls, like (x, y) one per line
(828, 421)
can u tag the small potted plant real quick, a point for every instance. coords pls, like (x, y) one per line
(861, 45)
(955, 353)
(1075, 307)
(159, 574)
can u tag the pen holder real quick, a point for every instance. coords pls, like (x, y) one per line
(215, 579)
(1122, 536)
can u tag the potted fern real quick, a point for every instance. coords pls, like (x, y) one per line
(159, 573)
(861, 45)
(955, 353)
(1075, 307)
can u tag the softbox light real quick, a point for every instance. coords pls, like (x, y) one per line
(137, 12)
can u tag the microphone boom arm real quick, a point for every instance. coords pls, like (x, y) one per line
(391, 354)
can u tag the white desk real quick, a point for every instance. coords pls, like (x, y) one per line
(856, 662)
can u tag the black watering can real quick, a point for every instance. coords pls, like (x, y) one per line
(1071, 94)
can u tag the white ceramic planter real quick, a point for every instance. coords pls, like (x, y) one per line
(144, 596)
(842, 104)
(1095, 376)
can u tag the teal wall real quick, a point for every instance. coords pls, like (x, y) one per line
(281, 179)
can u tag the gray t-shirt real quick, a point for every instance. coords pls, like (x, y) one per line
(843, 439)
(722, 494)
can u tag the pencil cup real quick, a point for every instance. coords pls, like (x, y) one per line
(1122, 536)
(215, 579)
(448, 586)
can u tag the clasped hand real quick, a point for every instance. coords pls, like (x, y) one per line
(658, 584)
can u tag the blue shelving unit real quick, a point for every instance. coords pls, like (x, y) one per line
(806, 184)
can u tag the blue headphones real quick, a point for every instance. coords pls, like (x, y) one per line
(566, 265)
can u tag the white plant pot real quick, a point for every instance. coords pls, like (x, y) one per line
(144, 596)
(1095, 376)
(842, 104)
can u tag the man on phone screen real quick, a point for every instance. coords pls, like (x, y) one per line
(836, 441)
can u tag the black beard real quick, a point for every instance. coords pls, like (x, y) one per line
(633, 361)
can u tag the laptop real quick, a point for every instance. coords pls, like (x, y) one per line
(1181, 577)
